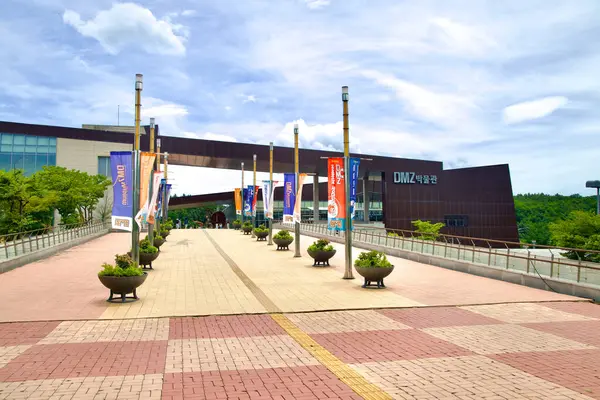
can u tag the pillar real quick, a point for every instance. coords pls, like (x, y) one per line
(315, 198)
(366, 199)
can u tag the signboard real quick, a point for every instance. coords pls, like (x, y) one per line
(238, 201)
(289, 197)
(354, 164)
(122, 178)
(413, 178)
(336, 206)
(298, 204)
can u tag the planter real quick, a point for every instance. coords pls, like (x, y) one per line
(164, 234)
(237, 226)
(123, 285)
(146, 259)
(283, 244)
(374, 274)
(158, 243)
(321, 257)
(247, 230)
(261, 236)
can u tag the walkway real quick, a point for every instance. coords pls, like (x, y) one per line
(486, 339)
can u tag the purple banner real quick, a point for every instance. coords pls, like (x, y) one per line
(248, 197)
(121, 164)
(289, 197)
(354, 164)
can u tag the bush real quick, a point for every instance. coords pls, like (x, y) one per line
(146, 248)
(427, 230)
(158, 237)
(372, 259)
(168, 225)
(247, 225)
(237, 222)
(393, 234)
(321, 245)
(163, 232)
(261, 229)
(124, 267)
(283, 234)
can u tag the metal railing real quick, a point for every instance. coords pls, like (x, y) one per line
(17, 244)
(494, 253)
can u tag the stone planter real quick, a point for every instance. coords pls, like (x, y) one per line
(247, 230)
(261, 236)
(374, 274)
(146, 259)
(164, 234)
(158, 243)
(237, 226)
(123, 285)
(321, 257)
(283, 244)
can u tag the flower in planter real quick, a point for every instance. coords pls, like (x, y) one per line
(321, 245)
(283, 235)
(372, 259)
(124, 267)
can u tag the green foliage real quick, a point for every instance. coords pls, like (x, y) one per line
(146, 248)
(167, 225)
(261, 229)
(124, 267)
(372, 259)
(393, 234)
(581, 230)
(427, 230)
(283, 234)
(198, 214)
(321, 245)
(247, 225)
(158, 237)
(237, 222)
(535, 212)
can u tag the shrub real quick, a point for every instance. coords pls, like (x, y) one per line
(283, 234)
(393, 234)
(146, 248)
(237, 222)
(168, 225)
(247, 224)
(372, 259)
(427, 230)
(158, 237)
(321, 245)
(163, 232)
(124, 267)
(261, 229)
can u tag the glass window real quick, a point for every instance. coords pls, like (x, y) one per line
(17, 161)
(18, 149)
(18, 139)
(30, 149)
(42, 141)
(51, 159)
(4, 161)
(6, 139)
(43, 149)
(31, 140)
(104, 166)
(52, 141)
(6, 148)
(29, 164)
(40, 161)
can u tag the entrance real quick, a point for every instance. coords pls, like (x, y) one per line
(218, 218)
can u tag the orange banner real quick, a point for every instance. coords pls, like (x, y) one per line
(336, 204)
(238, 201)
(146, 166)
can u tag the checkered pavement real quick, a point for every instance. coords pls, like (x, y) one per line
(502, 351)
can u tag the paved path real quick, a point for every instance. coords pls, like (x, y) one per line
(486, 339)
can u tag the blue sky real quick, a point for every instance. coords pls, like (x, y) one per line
(465, 82)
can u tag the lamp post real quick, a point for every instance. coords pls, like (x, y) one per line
(297, 174)
(151, 185)
(348, 233)
(253, 197)
(135, 233)
(242, 193)
(157, 169)
(165, 205)
(596, 185)
(269, 194)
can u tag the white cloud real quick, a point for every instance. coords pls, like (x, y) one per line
(188, 13)
(316, 4)
(250, 99)
(159, 109)
(530, 110)
(128, 25)
(452, 36)
(227, 108)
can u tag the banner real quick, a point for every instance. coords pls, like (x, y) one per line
(249, 194)
(298, 204)
(289, 197)
(157, 176)
(354, 164)
(238, 201)
(121, 164)
(254, 198)
(266, 194)
(168, 194)
(336, 206)
(272, 199)
(146, 166)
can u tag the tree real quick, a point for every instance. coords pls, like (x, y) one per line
(581, 230)
(428, 230)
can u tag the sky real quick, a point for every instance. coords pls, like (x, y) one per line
(469, 83)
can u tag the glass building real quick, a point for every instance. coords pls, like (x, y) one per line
(26, 152)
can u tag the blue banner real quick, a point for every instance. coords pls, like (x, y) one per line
(248, 197)
(289, 197)
(354, 164)
(121, 164)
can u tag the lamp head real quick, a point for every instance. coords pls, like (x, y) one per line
(139, 81)
(254, 157)
(158, 142)
(296, 128)
(345, 93)
(152, 120)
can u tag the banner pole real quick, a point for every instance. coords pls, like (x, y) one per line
(151, 186)
(252, 207)
(270, 191)
(297, 173)
(348, 233)
(135, 232)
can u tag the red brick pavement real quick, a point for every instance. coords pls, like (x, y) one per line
(52, 361)
(437, 317)
(406, 344)
(306, 383)
(582, 308)
(18, 333)
(581, 331)
(222, 327)
(578, 370)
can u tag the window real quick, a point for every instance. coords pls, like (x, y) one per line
(27, 152)
(104, 166)
(459, 221)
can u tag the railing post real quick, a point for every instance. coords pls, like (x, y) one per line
(507, 257)
(579, 271)
(473, 258)
(551, 264)
(489, 254)
(528, 259)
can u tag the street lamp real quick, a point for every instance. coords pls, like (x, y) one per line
(242, 194)
(596, 185)
(297, 174)
(348, 233)
(135, 233)
(254, 197)
(151, 185)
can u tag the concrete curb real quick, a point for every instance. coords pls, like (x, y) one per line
(28, 258)
(521, 278)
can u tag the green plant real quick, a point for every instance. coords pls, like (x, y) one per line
(158, 237)
(321, 245)
(283, 234)
(168, 225)
(372, 259)
(146, 248)
(237, 222)
(581, 230)
(247, 225)
(427, 230)
(261, 229)
(124, 267)
(393, 234)
(163, 232)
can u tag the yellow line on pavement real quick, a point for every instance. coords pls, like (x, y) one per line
(340, 369)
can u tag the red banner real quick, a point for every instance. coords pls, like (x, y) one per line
(336, 205)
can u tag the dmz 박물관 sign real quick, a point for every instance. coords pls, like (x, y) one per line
(412, 178)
